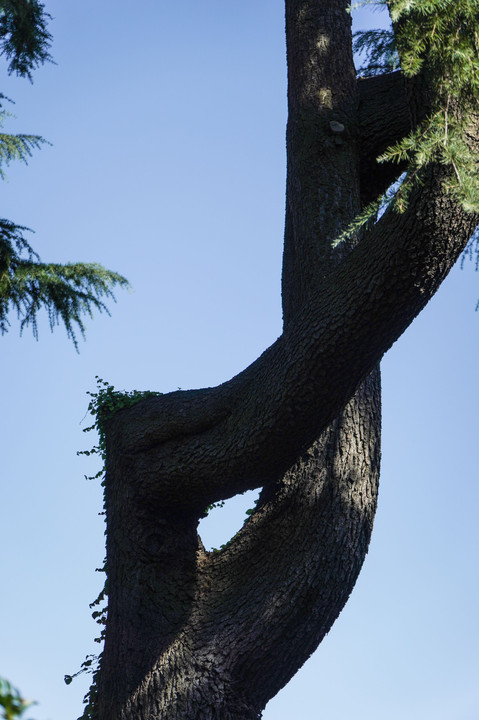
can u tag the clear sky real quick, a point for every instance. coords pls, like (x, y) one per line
(167, 124)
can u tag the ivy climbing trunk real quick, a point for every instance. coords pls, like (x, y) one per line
(195, 635)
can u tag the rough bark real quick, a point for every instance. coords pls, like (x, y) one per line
(390, 106)
(197, 635)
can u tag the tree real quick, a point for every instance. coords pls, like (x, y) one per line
(66, 292)
(192, 634)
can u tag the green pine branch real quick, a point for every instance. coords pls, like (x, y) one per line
(24, 38)
(379, 49)
(441, 36)
(68, 292)
(16, 147)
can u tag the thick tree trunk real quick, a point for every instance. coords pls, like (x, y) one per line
(197, 635)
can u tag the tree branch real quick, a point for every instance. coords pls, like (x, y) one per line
(322, 162)
(277, 407)
(288, 573)
(390, 106)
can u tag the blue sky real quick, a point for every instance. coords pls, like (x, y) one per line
(167, 164)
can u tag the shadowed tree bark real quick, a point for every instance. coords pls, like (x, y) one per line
(194, 635)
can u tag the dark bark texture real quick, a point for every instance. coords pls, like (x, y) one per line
(193, 635)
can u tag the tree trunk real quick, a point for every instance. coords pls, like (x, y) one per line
(194, 635)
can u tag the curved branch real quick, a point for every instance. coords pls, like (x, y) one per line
(278, 406)
(284, 579)
(278, 586)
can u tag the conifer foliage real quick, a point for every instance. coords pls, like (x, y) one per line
(15, 147)
(440, 39)
(68, 292)
(24, 37)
